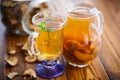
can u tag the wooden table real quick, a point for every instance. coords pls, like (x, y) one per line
(105, 67)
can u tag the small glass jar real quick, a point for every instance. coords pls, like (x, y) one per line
(12, 12)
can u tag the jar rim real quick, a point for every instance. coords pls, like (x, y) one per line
(83, 7)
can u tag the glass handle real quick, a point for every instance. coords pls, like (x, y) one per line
(32, 48)
(100, 22)
(100, 19)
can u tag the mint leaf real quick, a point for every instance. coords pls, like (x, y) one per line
(39, 24)
(43, 29)
(42, 25)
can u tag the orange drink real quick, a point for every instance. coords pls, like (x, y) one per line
(75, 26)
(47, 42)
(81, 36)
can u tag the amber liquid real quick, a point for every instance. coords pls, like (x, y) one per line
(50, 44)
(81, 40)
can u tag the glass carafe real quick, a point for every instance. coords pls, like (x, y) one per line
(82, 34)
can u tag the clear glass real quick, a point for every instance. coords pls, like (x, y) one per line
(48, 45)
(82, 34)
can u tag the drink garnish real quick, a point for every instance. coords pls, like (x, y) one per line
(42, 25)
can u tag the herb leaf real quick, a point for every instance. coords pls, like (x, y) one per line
(42, 25)
(43, 29)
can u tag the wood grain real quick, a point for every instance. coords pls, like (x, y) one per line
(105, 67)
(110, 53)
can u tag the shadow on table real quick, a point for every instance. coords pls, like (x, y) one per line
(114, 76)
(75, 73)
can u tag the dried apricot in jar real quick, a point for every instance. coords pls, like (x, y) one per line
(72, 45)
(82, 56)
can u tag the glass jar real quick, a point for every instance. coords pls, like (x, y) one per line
(82, 34)
(12, 12)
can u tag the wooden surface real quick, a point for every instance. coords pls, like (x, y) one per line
(105, 67)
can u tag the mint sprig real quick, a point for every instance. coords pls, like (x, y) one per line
(42, 25)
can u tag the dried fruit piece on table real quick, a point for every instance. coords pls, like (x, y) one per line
(30, 59)
(12, 75)
(29, 74)
(39, 58)
(12, 61)
(11, 51)
(19, 44)
(24, 47)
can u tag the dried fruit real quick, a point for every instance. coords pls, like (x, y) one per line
(12, 61)
(39, 58)
(30, 59)
(72, 45)
(12, 75)
(20, 44)
(11, 51)
(82, 56)
(29, 74)
(24, 47)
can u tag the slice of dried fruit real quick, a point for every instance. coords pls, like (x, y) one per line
(19, 44)
(24, 47)
(30, 59)
(82, 56)
(11, 51)
(29, 74)
(12, 75)
(39, 58)
(72, 45)
(12, 61)
(28, 77)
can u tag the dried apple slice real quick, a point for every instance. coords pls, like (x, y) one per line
(29, 74)
(12, 75)
(19, 44)
(30, 59)
(11, 51)
(39, 58)
(24, 47)
(13, 61)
